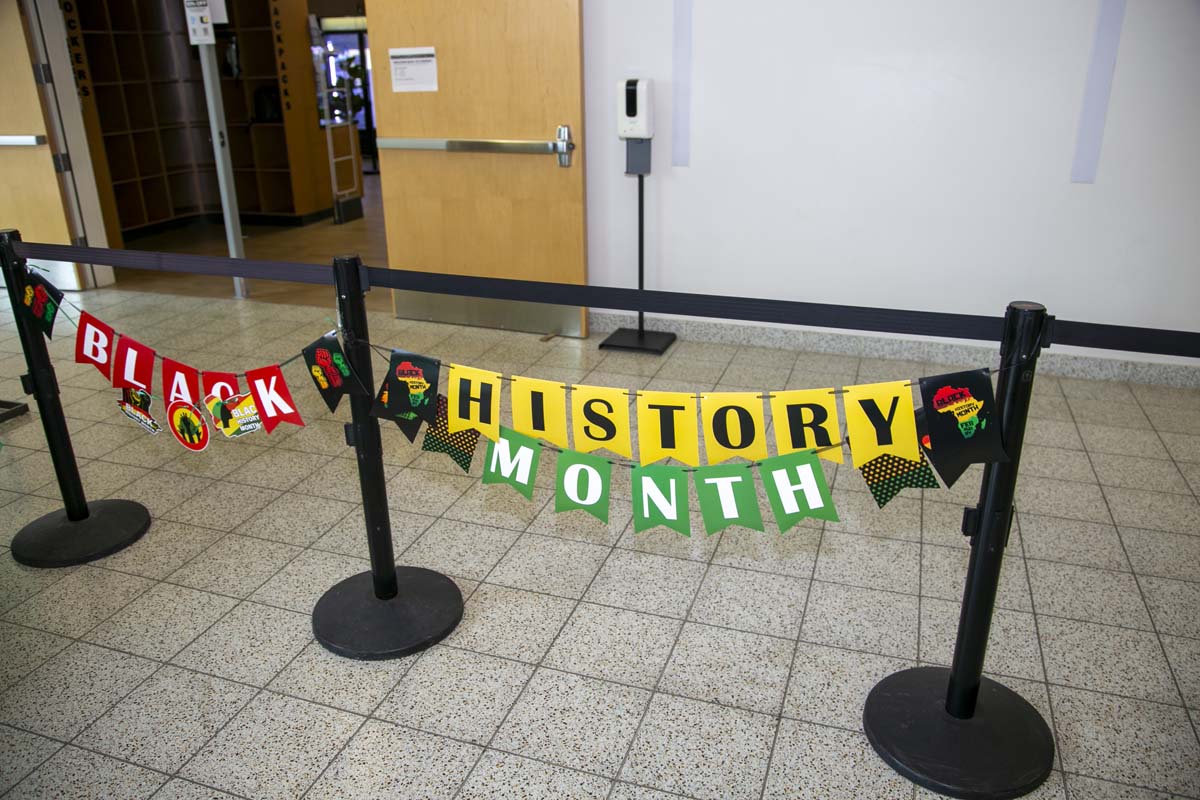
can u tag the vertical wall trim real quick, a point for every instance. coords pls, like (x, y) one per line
(1097, 90)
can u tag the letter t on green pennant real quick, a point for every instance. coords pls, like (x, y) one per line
(797, 489)
(583, 482)
(660, 497)
(727, 497)
(513, 459)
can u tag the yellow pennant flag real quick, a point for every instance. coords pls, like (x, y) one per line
(807, 419)
(667, 427)
(879, 420)
(733, 426)
(600, 418)
(539, 409)
(473, 401)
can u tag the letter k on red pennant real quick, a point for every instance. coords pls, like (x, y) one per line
(271, 396)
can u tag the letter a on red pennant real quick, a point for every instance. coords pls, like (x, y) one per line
(180, 382)
(271, 396)
(94, 344)
(133, 365)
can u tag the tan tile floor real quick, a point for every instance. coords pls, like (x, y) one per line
(591, 662)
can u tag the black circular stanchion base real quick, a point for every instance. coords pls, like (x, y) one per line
(55, 541)
(351, 621)
(1005, 750)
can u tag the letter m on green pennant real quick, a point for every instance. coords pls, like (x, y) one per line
(797, 489)
(513, 459)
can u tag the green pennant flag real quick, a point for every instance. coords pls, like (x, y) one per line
(583, 482)
(727, 497)
(796, 489)
(512, 459)
(660, 497)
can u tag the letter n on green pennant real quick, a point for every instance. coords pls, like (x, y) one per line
(660, 497)
(797, 489)
(583, 482)
(513, 459)
(727, 497)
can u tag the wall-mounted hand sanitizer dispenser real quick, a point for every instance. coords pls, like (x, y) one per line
(635, 111)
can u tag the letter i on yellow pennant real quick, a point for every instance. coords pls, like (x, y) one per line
(473, 401)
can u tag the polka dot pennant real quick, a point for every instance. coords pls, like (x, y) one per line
(887, 474)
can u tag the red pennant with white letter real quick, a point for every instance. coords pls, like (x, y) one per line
(222, 384)
(271, 396)
(180, 382)
(133, 365)
(94, 344)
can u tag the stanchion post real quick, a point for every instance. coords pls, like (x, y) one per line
(363, 430)
(955, 731)
(41, 382)
(389, 611)
(1025, 325)
(81, 531)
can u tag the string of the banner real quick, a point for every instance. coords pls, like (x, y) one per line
(385, 354)
(157, 355)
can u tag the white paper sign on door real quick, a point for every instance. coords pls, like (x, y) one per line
(414, 69)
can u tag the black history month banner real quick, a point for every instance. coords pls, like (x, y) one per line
(714, 442)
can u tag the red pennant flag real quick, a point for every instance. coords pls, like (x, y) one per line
(133, 365)
(94, 344)
(222, 384)
(180, 382)
(271, 396)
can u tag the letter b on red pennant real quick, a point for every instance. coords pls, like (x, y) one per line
(94, 343)
(271, 396)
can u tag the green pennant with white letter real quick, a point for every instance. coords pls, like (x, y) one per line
(727, 497)
(583, 482)
(660, 497)
(512, 459)
(796, 489)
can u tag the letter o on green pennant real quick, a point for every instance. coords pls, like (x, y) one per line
(660, 497)
(796, 489)
(513, 459)
(583, 482)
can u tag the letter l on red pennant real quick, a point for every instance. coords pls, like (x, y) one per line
(271, 396)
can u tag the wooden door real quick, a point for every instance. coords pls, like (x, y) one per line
(506, 69)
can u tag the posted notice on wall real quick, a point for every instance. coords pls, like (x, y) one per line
(201, 16)
(414, 69)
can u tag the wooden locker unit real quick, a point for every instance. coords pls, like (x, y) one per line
(144, 108)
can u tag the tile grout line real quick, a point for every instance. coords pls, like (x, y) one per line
(1149, 612)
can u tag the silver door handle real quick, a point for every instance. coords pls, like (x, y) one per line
(561, 146)
(32, 140)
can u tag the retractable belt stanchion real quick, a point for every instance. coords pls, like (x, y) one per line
(955, 731)
(81, 531)
(389, 611)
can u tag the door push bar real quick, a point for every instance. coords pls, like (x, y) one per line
(561, 146)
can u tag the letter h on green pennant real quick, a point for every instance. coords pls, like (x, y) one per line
(727, 497)
(660, 497)
(513, 459)
(796, 489)
(583, 482)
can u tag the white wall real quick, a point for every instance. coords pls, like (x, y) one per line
(906, 154)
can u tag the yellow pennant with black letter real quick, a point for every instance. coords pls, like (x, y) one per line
(600, 418)
(667, 427)
(733, 426)
(539, 409)
(474, 400)
(880, 420)
(807, 419)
